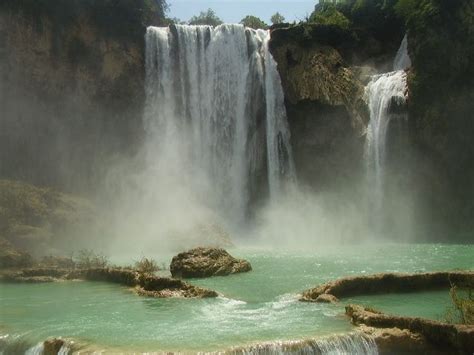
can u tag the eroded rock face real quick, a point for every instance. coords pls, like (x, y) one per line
(206, 262)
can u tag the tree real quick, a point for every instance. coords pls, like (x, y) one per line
(208, 17)
(277, 18)
(253, 22)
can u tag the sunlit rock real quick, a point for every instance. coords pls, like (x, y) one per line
(206, 262)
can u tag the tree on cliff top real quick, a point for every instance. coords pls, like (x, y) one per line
(253, 22)
(208, 17)
(277, 18)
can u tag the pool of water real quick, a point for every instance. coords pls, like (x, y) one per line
(259, 306)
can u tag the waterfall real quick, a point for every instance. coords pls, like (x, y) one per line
(385, 94)
(347, 344)
(215, 108)
(402, 60)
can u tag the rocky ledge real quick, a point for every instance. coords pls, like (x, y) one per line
(395, 334)
(206, 262)
(143, 284)
(386, 283)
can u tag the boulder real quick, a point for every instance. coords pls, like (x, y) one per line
(206, 262)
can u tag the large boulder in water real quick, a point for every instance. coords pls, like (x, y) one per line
(206, 262)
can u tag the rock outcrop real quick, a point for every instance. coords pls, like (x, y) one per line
(452, 338)
(206, 262)
(387, 283)
(72, 73)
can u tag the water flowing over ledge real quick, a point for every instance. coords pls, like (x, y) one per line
(355, 343)
(215, 106)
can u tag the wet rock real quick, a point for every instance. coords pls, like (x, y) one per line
(326, 298)
(399, 341)
(389, 283)
(448, 338)
(206, 262)
(53, 346)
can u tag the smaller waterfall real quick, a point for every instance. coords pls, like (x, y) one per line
(347, 344)
(385, 94)
(402, 61)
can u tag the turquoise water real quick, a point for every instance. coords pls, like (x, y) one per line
(258, 306)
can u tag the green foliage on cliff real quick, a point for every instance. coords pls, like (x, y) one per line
(118, 18)
(253, 22)
(377, 17)
(328, 14)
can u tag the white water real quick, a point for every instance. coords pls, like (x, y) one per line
(382, 92)
(215, 109)
(347, 344)
(402, 60)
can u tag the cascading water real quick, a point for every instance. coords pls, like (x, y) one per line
(384, 93)
(352, 343)
(215, 106)
(402, 60)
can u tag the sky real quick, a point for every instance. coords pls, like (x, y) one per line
(233, 11)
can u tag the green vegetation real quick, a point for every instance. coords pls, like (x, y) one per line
(146, 266)
(208, 17)
(376, 17)
(462, 310)
(253, 22)
(330, 15)
(87, 259)
(277, 18)
(118, 18)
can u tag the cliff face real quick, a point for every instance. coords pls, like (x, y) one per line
(441, 106)
(71, 93)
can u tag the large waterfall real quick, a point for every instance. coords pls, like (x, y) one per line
(385, 93)
(215, 107)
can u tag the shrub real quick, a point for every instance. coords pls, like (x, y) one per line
(462, 310)
(146, 266)
(87, 259)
